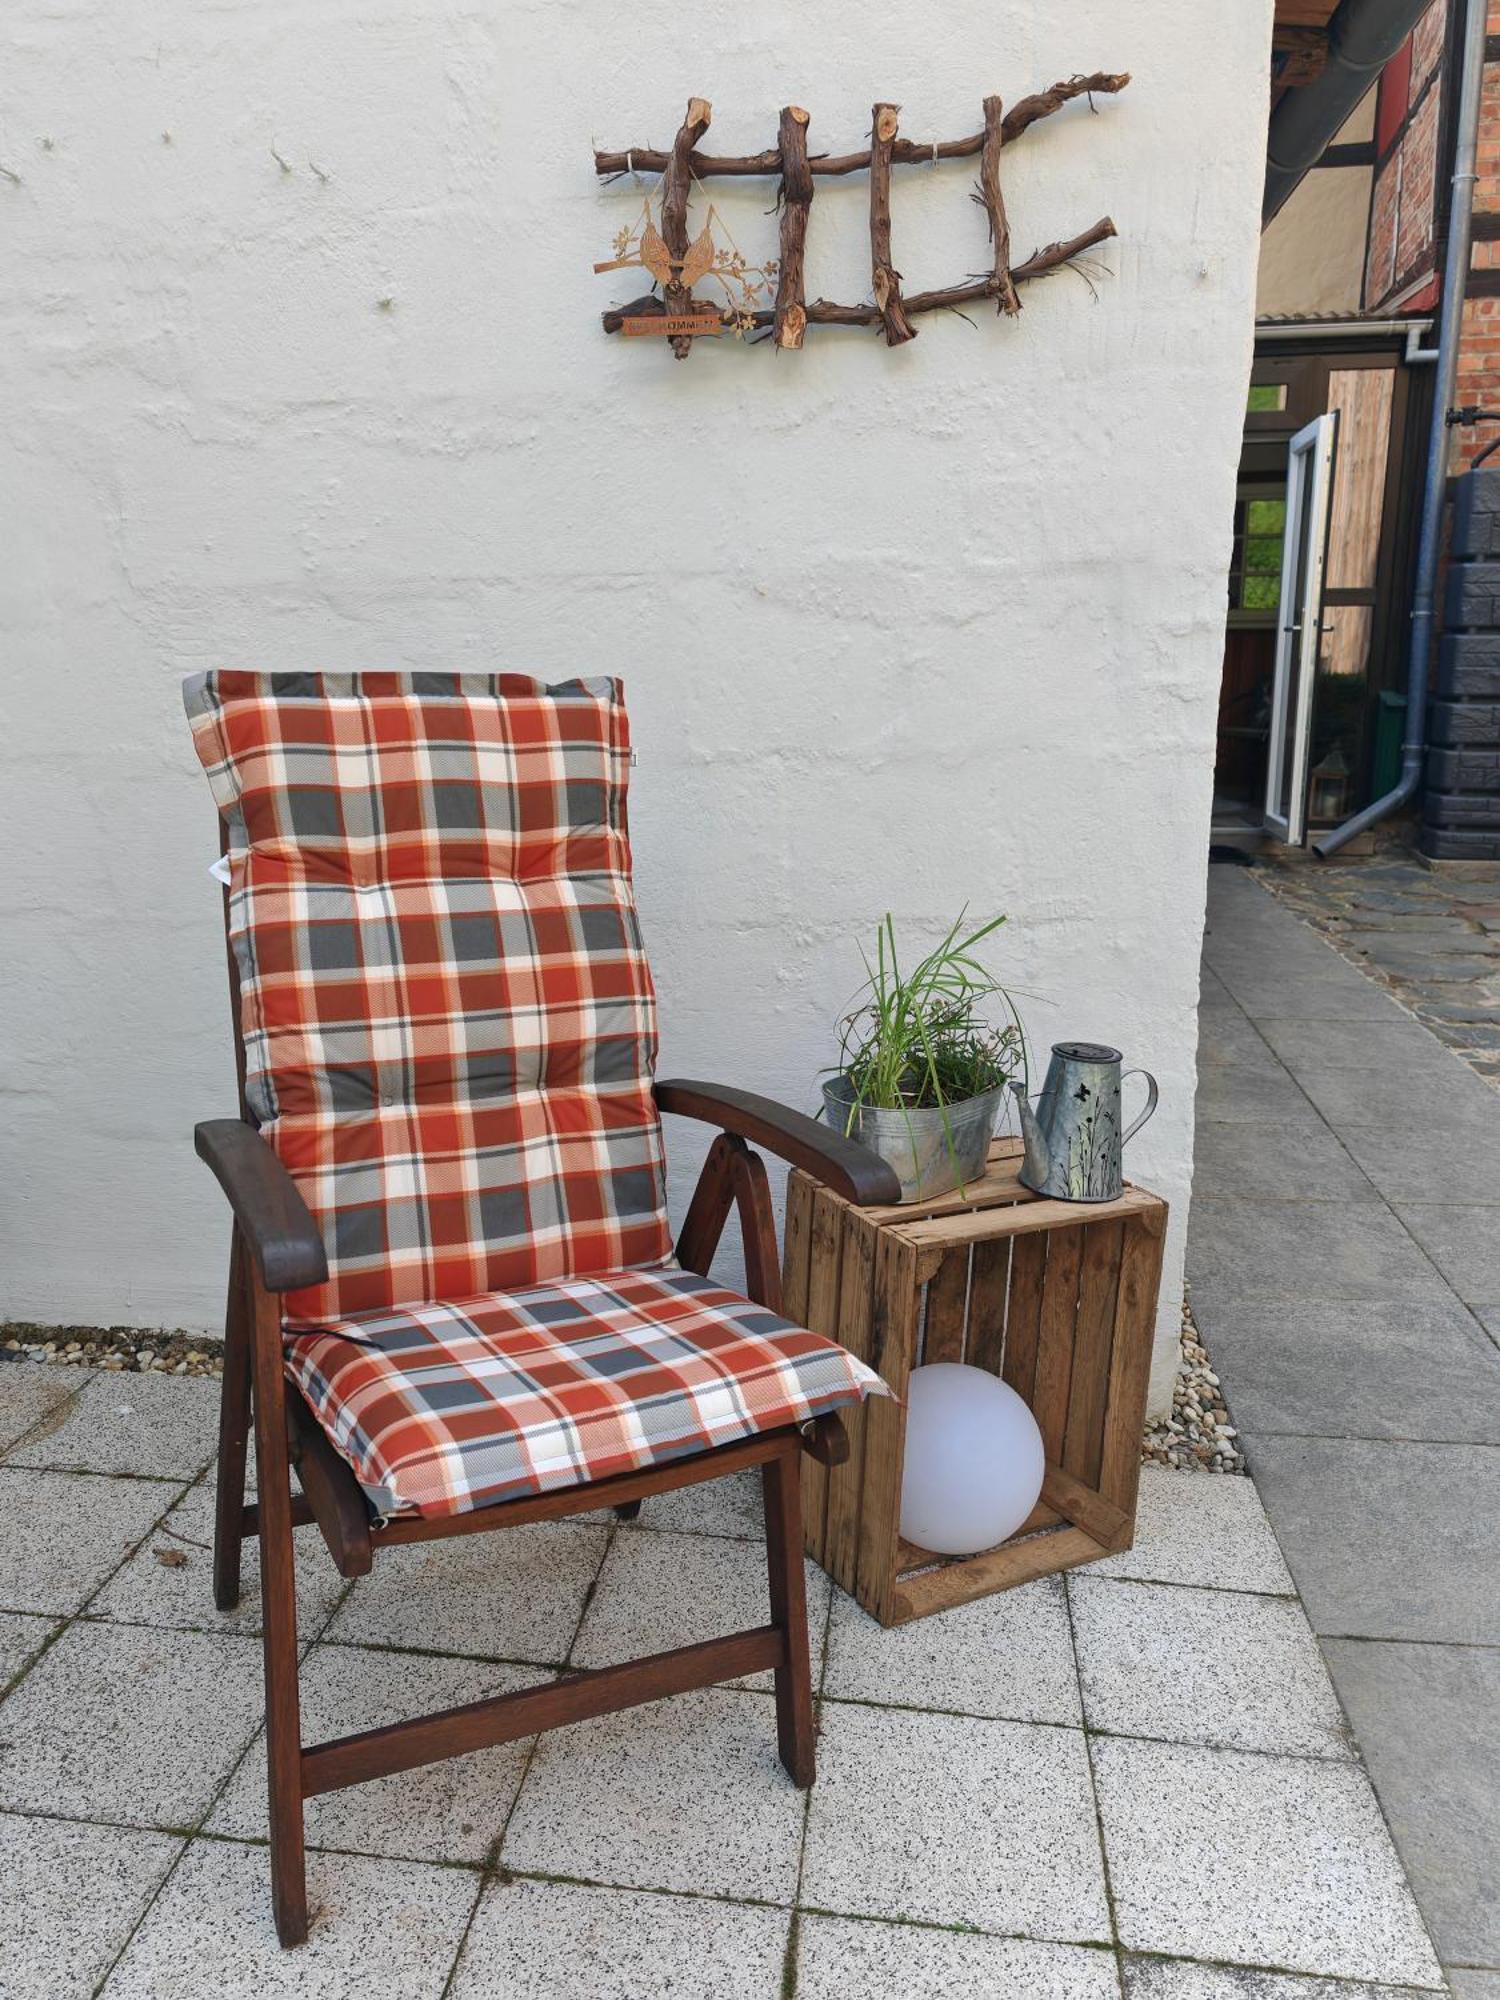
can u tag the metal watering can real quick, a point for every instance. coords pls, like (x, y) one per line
(1074, 1144)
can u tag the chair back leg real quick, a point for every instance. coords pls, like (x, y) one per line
(234, 1433)
(278, 1590)
(781, 1481)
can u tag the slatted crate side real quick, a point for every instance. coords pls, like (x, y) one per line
(1130, 1363)
(894, 1301)
(1093, 1343)
(943, 1310)
(855, 1323)
(796, 1271)
(1075, 1344)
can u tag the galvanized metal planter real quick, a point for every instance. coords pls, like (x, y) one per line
(914, 1142)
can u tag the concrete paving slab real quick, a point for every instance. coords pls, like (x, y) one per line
(564, 1941)
(72, 1894)
(1272, 1163)
(1366, 1370)
(1173, 1979)
(1203, 1666)
(155, 1426)
(179, 1591)
(1444, 1163)
(1230, 1094)
(1305, 1250)
(514, 1595)
(21, 1639)
(1009, 1656)
(138, 1728)
(1396, 1043)
(1463, 1241)
(392, 1923)
(884, 1840)
(31, 1391)
(730, 1506)
(1295, 1871)
(1343, 995)
(65, 1532)
(1402, 1099)
(1194, 1529)
(656, 1591)
(1387, 1541)
(451, 1811)
(1428, 1721)
(686, 1794)
(838, 1959)
(1235, 1041)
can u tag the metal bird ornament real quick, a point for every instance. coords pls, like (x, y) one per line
(746, 286)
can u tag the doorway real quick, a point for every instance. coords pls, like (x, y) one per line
(1311, 712)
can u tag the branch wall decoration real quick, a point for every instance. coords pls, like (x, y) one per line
(677, 261)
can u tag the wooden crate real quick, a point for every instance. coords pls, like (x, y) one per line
(1058, 1298)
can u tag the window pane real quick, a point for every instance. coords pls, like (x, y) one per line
(1266, 517)
(1267, 396)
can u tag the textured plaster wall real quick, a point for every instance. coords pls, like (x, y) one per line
(901, 630)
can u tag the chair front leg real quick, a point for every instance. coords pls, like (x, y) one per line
(278, 1590)
(795, 1737)
(234, 1431)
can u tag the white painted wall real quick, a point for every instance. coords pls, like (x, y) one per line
(923, 628)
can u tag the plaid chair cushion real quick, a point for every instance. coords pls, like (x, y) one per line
(448, 1019)
(443, 1408)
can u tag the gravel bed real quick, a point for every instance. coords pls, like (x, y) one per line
(118, 1349)
(1197, 1436)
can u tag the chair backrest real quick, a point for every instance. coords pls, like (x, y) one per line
(448, 1021)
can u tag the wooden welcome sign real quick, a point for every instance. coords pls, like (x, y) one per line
(677, 262)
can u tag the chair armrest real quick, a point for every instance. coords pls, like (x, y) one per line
(849, 1169)
(283, 1238)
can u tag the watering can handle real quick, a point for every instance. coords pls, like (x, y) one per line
(1151, 1097)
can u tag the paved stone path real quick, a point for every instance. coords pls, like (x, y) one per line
(1432, 940)
(1344, 1253)
(1131, 1784)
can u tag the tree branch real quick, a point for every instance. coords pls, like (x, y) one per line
(884, 277)
(1002, 285)
(796, 202)
(824, 312)
(904, 152)
(674, 206)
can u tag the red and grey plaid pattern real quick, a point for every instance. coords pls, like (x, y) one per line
(444, 1408)
(448, 1018)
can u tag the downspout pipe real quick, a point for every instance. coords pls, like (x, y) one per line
(1435, 484)
(1363, 35)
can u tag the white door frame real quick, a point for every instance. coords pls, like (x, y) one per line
(1299, 623)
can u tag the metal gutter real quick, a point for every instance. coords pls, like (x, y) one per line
(1353, 329)
(1435, 486)
(1363, 35)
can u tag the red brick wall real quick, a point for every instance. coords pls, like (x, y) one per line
(1479, 351)
(1402, 204)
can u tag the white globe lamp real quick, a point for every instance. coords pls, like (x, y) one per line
(974, 1460)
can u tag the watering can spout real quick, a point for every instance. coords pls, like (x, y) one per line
(1034, 1166)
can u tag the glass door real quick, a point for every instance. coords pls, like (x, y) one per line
(1309, 489)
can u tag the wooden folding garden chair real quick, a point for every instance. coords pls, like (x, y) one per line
(454, 1304)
